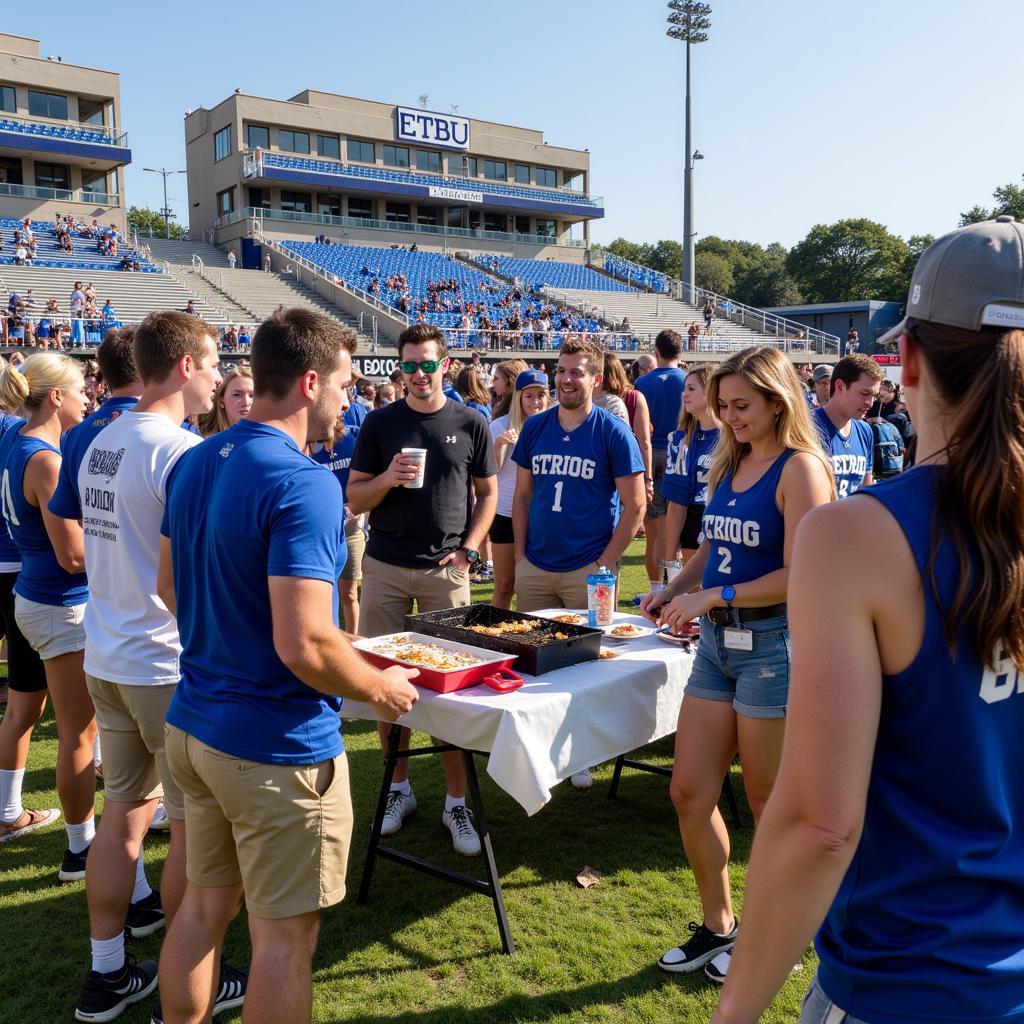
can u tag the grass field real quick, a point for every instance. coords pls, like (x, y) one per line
(422, 951)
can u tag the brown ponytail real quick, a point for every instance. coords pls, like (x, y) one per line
(979, 377)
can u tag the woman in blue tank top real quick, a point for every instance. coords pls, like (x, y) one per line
(51, 592)
(690, 449)
(898, 816)
(768, 472)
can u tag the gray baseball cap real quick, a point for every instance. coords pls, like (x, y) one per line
(822, 372)
(971, 278)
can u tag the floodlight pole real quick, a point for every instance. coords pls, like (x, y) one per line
(166, 210)
(688, 21)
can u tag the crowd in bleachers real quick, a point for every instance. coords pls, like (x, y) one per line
(553, 274)
(27, 321)
(69, 242)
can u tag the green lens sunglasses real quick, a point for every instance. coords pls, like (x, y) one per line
(426, 365)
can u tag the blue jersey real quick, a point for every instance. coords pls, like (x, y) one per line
(745, 529)
(575, 505)
(355, 414)
(699, 453)
(244, 505)
(926, 925)
(663, 389)
(852, 457)
(482, 409)
(73, 445)
(9, 553)
(450, 392)
(41, 578)
(339, 458)
(674, 485)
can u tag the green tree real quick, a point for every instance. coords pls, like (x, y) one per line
(1009, 199)
(713, 273)
(638, 252)
(849, 260)
(151, 223)
(768, 283)
(667, 256)
(916, 245)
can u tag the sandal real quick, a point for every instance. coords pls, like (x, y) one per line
(36, 819)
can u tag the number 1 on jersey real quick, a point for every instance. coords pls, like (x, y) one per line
(557, 507)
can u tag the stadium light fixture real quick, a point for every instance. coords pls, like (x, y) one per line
(688, 22)
(166, 211)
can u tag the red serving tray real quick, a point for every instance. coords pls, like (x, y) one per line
(493, 672)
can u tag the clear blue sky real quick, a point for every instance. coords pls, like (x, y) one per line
(904, 111)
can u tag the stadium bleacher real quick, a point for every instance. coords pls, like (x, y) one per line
(552, 274)
(397, 174)
(361, 265)
(58, 131)
(634, 273)
(49, 253)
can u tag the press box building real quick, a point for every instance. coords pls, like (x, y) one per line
(365, 172)
(62, 147)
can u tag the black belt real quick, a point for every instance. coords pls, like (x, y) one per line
(723, 617)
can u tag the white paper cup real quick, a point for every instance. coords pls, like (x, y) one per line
(419, 457)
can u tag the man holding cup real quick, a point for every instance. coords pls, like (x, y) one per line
(415, 464)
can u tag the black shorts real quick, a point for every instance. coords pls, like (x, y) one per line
(689, 536)
(501, 530)
(25, 672)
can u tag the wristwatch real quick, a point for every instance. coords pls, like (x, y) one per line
(729, 594)
(472, 554)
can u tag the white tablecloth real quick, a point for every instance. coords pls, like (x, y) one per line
(561, 722)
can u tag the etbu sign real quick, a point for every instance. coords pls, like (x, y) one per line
(423, 126)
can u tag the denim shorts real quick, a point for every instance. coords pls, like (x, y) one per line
(819, 1009)
(757, 681)
(51, 630)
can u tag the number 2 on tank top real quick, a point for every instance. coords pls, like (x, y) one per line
(844, 488)
(557, 507)
(724, 565)
(5, 496)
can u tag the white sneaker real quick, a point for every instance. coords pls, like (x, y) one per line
(400, 806)
(161, 822)
(582, 780)
(464, 837)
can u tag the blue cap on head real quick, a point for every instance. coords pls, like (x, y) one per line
(532, 379)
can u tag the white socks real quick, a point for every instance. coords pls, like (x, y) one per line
(401, 787)
(80, 836)
(453, 801)
(108, 954)
(10, 795)
(142, 888)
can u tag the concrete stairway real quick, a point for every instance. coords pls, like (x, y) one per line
(180, 253)
(134, 296)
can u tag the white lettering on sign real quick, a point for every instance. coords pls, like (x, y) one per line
(371, 366)
(435, 129)
(459, 195)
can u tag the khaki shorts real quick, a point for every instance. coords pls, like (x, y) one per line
(536, 588)
(657, 507)
(131, 722)
(50, 629)
(283, 831)
(389, 592)
(356, 541)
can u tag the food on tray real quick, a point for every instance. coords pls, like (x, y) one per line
(516, 626)
(405, 648)
(570, 619)
(627, 629)
(605, 654)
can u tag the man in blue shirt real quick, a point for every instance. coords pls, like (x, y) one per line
(663, 389)
(844, 435)
(250, 556)
(576, 462)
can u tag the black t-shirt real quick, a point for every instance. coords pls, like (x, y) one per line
(414, 528)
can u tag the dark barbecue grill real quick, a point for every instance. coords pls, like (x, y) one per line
(536, 652)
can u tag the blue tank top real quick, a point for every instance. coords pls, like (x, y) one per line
(698, 464)
(928, 923)
(746, 530)
(9, 553)
(41, 578)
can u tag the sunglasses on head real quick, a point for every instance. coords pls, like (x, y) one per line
(426, 365)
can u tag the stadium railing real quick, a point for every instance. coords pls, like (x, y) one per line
(61, 194)
(72, 131)
(438, 231)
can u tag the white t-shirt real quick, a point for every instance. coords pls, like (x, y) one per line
(130, 636)
(507, 473)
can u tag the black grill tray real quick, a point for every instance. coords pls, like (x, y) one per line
(537, 652)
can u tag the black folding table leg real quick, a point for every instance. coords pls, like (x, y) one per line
(390, 761)
(613, 789)
(507, 945)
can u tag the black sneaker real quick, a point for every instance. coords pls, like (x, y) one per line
(230, 992)
(105, 996)
(144, 917)
(703, 947)
(72, 868)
